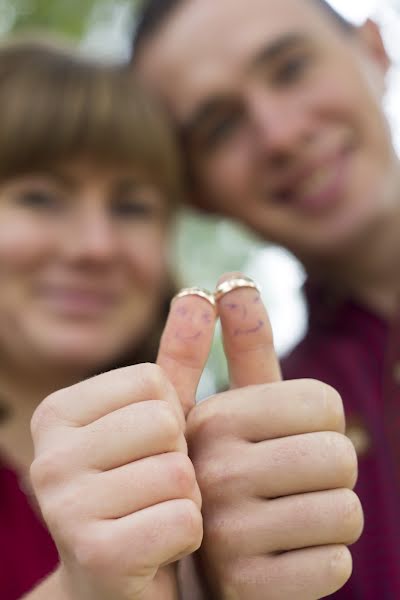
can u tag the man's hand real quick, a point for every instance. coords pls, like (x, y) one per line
(112, 476)
(275, 473)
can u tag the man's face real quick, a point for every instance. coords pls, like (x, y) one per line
(280, 113)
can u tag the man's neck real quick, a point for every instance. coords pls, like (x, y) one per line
(368, 270)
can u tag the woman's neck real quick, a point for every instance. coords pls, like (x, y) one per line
(368, 270)
(21, 391)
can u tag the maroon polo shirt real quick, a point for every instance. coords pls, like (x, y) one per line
(27, 552)
(358, 353)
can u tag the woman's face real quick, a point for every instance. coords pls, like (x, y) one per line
(82, 264)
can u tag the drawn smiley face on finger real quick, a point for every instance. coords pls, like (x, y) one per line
(248, 318)
(191, 320)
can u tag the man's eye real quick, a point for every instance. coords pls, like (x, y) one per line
(219, 130)
(291, 70)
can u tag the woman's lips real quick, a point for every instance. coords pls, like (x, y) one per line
(77, 302)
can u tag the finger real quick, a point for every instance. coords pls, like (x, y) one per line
(136, 486)
(90, 400)
(186, 343)
(132, 433)
(300, 464)
(283, 467)
(148, 538)
(301, 574)
(268, 411)
(290, 523)
(247, 336)
(129, 434)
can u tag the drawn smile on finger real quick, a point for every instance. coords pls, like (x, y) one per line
(255, 329)
(191, 322)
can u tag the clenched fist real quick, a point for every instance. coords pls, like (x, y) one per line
(112, 475)
(275, 472)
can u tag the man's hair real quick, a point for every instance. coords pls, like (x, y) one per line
(151, 14)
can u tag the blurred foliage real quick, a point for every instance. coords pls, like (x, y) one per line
(70, 17)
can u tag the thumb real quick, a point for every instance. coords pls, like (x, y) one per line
(186, 342)
(246, 331)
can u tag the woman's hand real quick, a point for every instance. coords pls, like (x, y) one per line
(112, 475)
(114, 483)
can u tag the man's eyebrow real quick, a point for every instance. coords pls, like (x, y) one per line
(275, 49)
(268, 53)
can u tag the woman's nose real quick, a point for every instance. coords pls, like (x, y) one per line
(91, 238)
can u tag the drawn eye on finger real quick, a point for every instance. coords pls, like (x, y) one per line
(190, 323)
(250, 323)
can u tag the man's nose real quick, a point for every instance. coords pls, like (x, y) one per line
(280, 128)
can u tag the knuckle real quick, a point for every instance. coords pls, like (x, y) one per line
(157, 378)
(47, 469)
(218, 478)
(191, 522)
(206, 420)
(334, 407)
(46, 414)
(58, 514)
(167, 420)
(346, 458)
(328, 399)
(181, 473)
(340, 567)
(352, 515)
(219, 531)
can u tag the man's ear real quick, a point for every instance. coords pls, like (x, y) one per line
(370, 37)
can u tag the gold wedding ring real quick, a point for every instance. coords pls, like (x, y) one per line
(196, 291)
(232, 284)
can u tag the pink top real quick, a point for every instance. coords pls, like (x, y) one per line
(27, 552)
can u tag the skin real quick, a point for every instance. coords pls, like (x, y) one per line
(82, 269)
(284, 130)
(82, 262)
(106, 540)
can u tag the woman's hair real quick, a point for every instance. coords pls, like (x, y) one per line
(152, 14)
(56, 105)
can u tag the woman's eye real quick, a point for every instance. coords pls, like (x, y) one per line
(38, 200)
(137, 209)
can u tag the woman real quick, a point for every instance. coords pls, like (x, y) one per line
(88, 186)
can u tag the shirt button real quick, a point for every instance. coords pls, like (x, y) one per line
(396, 372)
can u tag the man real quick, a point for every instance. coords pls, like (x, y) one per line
(278, 105)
